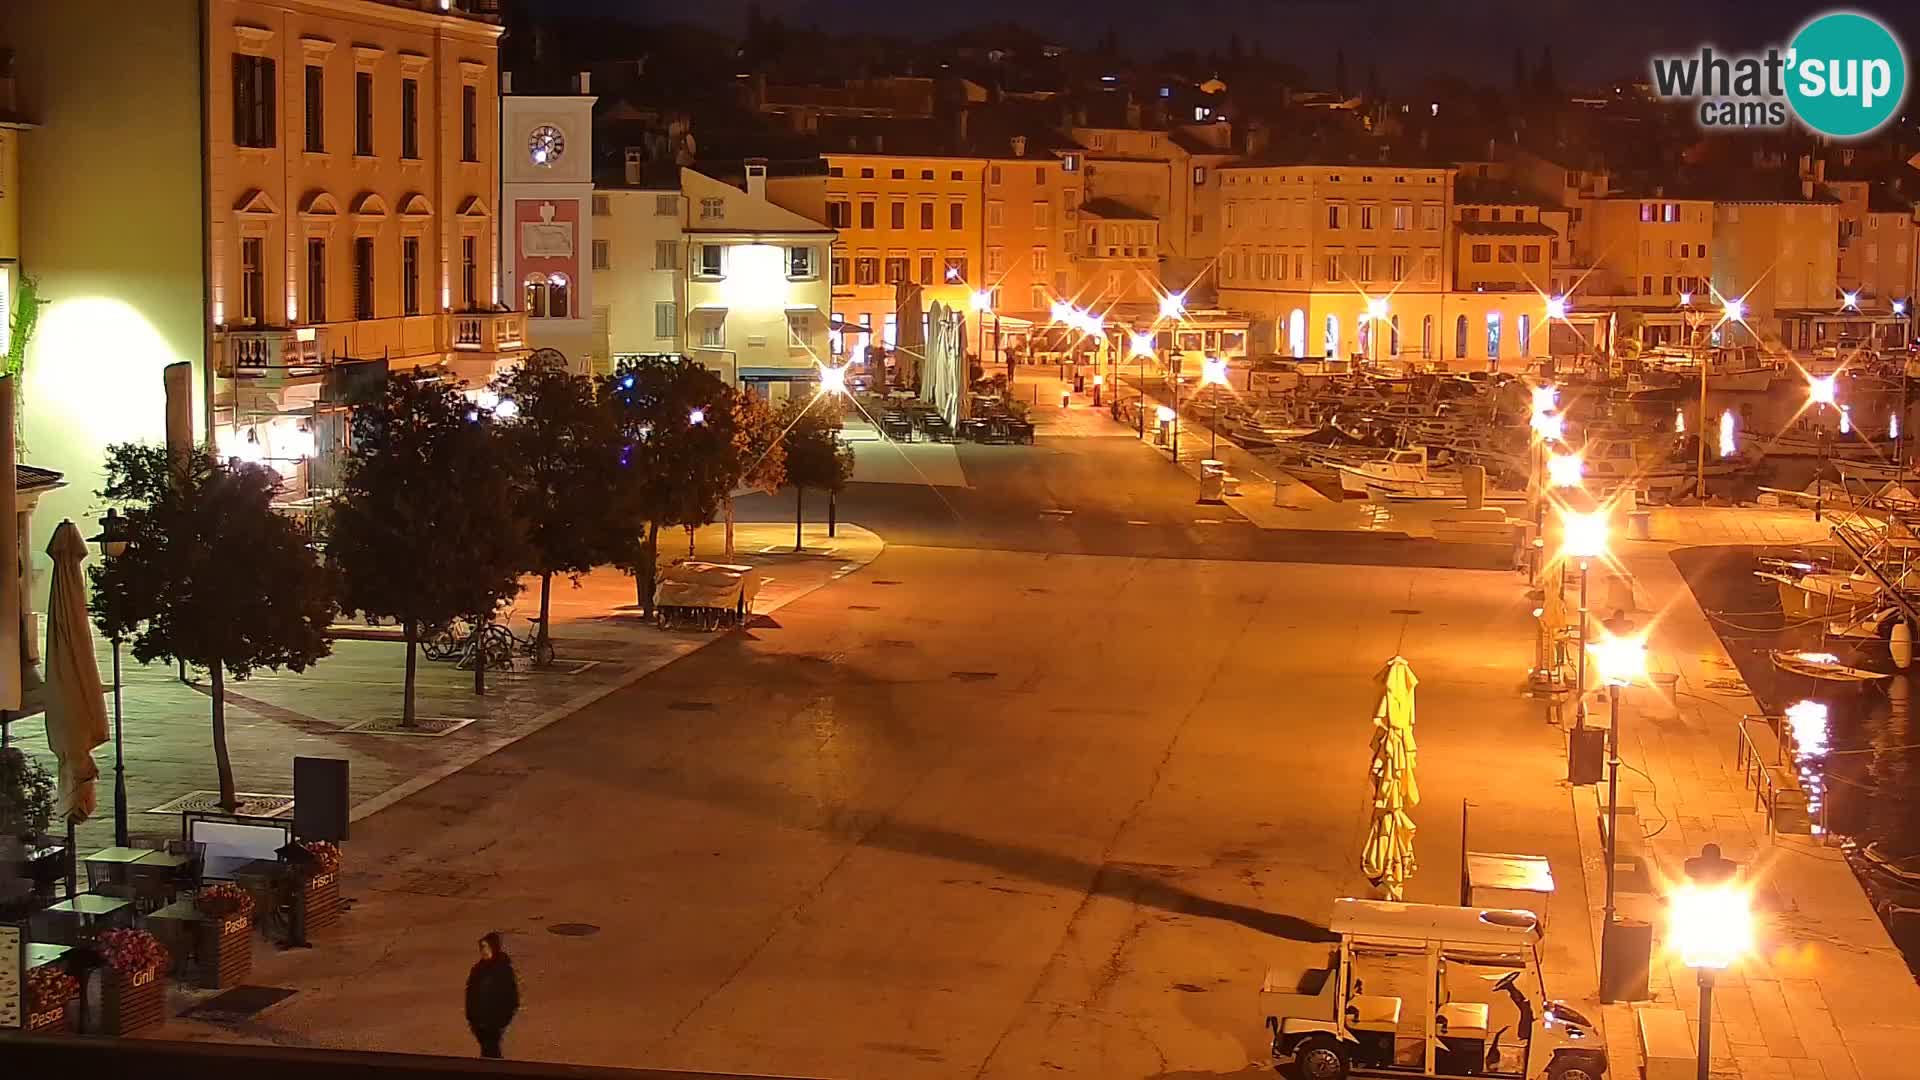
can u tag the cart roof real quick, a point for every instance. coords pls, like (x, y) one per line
(1383, 919)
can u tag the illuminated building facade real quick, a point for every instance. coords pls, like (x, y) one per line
(756, 286)
(548, 247)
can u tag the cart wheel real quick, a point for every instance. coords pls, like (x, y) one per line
(1572, 1067)
(1319, 1057)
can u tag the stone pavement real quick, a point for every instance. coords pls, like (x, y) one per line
(1826, 994)
(601, 645)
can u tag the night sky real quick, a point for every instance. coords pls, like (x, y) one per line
(1592, 40)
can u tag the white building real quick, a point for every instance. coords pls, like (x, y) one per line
(757, 290)
(546, 188)
(639, 260)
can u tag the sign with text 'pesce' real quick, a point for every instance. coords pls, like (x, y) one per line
(12, 943)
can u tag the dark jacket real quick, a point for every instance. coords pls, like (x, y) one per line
(493, 995)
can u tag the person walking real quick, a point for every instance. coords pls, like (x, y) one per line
(493, 995)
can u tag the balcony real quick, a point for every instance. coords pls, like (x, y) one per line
(489, 331)
(485, 10)
(272, 352)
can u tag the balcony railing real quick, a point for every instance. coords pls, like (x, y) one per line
(489, 331)
(255, 352)
(479, 9)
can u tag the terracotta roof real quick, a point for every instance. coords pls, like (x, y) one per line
(1505, 228)
(1114, 210)
(33, 478)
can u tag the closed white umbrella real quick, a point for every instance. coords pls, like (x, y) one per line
(1387, 859)
(76, 716)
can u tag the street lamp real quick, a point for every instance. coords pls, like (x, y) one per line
(1711, 924)
(1821, 393)
(982, 303)
(1142, 347)
(1556, 307)
(113, 544)
(1173, 305)
(1583, 537)
(1564, 470)
(697, 417)
(1213, 373)
(1619, 661)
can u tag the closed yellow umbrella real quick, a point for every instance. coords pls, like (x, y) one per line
(1387, 858)
(76, 716)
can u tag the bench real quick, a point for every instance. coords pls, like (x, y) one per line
(1463, 1019)
(1666, 1044)
(1373, 1012)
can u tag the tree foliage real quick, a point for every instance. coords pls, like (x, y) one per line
(561, 446)
(423, 531)
(212, 575)
(816, 458)
(675, 459)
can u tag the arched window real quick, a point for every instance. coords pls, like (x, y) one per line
(557, 296)
(1493, 338)
(1297, 332)
(1333, 336)
(547, 296)
(1393, 339)
(1460, 338)
(1526, 337)
(536, 304)
(1426, 337)
(1363, 338)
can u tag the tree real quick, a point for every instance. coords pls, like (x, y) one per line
(212, 575)
(423, 530)
(816, 458)
(758, 446)
(560, 444)
(673, 423)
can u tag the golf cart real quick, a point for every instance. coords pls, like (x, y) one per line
(1453, 964)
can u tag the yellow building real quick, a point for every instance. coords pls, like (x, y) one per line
(955, 225)
(756, 287)
(1118, 263)
(1500, 243)
(1876, 245)
(1173, 176)
(1353, 260)
(639, 265)
(1779, 254)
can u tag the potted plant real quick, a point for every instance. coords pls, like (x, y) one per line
(317, 892)
(223, 946)
(26, 795)
(50, 994)
(132, 990)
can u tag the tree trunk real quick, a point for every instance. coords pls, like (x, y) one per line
(689, 541)
(728, 504)
(222, 763)
(406, 694)
(546, 608)
(479, 661)
(649, 568)
(799, 515)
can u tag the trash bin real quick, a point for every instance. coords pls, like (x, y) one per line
(1212, 480)
(1639, 525)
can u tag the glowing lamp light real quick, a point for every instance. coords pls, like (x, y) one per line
(983, 301)
(1734, 309)
(1213, 371)
(1173, 305)
(1846, 419)
(507, 409)
(1899, 307)
(833, 380)
(953, 273)
(1729, 446)
(1893, 426)
(1711, 925)
(1061, 312)
(1850, 300)
(1163, 414)
(1564, 470)
(1544, 399)
(1551, 427)
(1686, 299)
(1620, 661)
(1820, 390)
(1556, 307)
(1377, 307)
(697, 417)
(1583, 536)
(1680, 421)
(1141, 344)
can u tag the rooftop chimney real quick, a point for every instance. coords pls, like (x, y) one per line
(506, 83)
(1019, 146)
(757, 177)
(583, 83)
(635, 163)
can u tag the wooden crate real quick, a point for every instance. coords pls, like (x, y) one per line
(319, 897)
(130, 1003)
(223, 952)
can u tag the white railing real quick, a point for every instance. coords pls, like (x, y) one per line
(254, 352)
(489, 331)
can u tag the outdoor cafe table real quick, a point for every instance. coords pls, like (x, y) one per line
(41, 953)
(92, 906)
(118, 855)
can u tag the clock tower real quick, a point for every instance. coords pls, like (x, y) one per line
(546, 217)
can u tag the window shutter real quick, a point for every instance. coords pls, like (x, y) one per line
(264, 72)
(242, 99)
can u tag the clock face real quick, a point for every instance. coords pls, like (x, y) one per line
(545, 145)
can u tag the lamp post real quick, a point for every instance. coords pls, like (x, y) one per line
(1712, 927)
(1213, 373)
(1583, 537)
(1619, 661)
(113, 544)
(1176, 408)
(1142, 347)
(1545, 426)
(1821, 393)
(1376, 314)
(983, 303)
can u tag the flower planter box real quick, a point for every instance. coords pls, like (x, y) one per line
(318, 899)
(223, 952)
(58, 1020)
(130, 1003)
